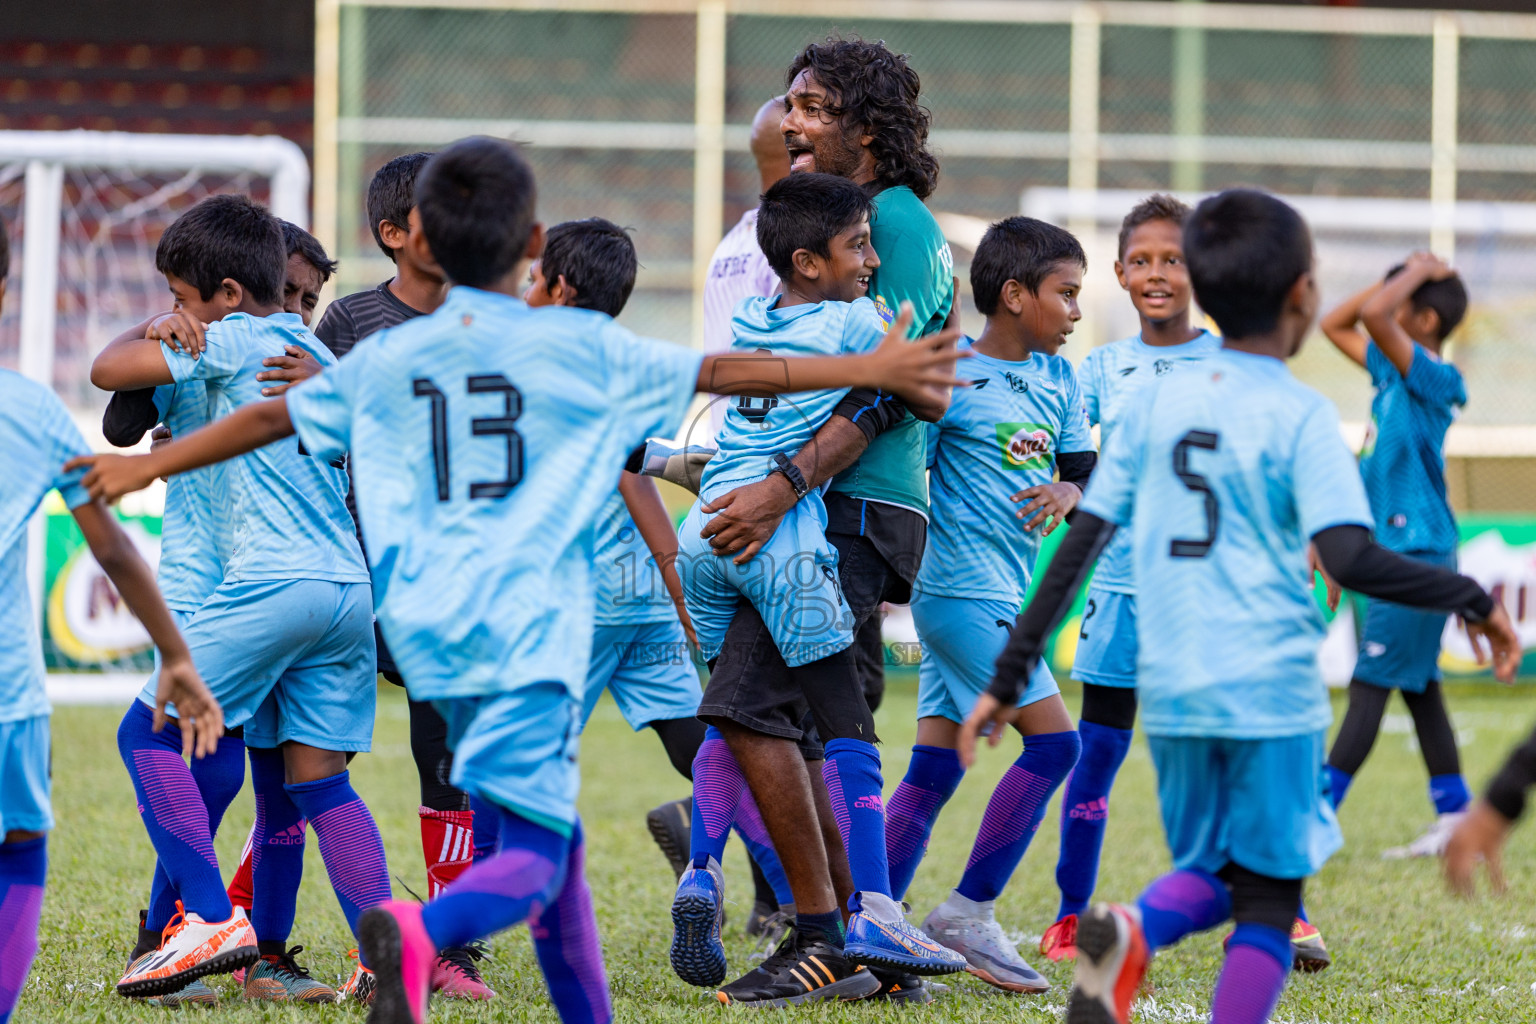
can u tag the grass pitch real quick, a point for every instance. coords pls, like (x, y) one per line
(1404, 950)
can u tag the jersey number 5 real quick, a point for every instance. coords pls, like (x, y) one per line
(480, 426)
(1207, 440)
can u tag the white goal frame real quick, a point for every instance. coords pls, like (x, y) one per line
(46, 156)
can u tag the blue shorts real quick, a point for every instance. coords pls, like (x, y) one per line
(518, 750)
(792, 582)
(308, 644)
(1260, 804)
(961, 638)
(1400, 646)
(24, 776)
(648, 669)
(1106, 641)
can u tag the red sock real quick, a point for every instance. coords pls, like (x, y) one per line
(240, 888)
(448, 844)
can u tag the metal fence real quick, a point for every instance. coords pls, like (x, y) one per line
(637, 111)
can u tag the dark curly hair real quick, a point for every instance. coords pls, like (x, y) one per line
(876, 90)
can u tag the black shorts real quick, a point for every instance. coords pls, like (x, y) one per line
(751, 686)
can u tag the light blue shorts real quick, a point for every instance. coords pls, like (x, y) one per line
(518, 750)
(1261, 804)
(961, 638)
(1400, 646)
(648, 669)
(1106, 640)
(24, 776)
(306, 643)
(792, 582)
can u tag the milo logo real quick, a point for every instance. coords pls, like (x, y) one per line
(1025, 445)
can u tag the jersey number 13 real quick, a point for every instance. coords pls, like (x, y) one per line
(481, 426)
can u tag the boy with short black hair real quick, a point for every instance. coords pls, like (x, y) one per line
(36, 435)
(1226, 476)
(814, 230)
(1406, 319)
(291, 620)
(505, 427)
(309, 268)
(1151, 269)
(1001, 442)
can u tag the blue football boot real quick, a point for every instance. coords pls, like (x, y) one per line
(698, 915)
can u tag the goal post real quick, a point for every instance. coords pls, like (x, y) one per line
(85, 209)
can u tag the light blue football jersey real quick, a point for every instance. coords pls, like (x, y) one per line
(37, 437)
(1112, 376)
(1223, 473)
(485, 438)
(195, 533)
(628, 589)
(758, 428)
(287, 507)
(999, 436)
(1403, 460)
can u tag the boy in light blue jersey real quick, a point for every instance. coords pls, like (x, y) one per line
(814, 230)
(1406, 320)
(1224, 474)
(1003, 440)
(36, 436)
(1151, 269)
(286, 637)
(487, 435)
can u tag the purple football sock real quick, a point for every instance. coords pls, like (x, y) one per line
(173, 812)
(510, 886)
(749, 825)
(1085, 814)
(277, 849)
(1181, 903)
(932, 775)
(487, 827)
(717, 788)
(1253, 976)
(852, 774)
(219, 777)
(23, 868)
(349, 842)
(1014, 813)
(566, 942)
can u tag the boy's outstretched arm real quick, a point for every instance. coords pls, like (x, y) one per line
(918, 370)
(246, 429)
(1342, 324)
(650, 515)
(133, 359)
(1379, 314)
(201, 718)
(1481, 834)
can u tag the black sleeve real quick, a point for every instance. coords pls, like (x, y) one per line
(1076, 467)
(129, 415)
(873, 412)
(636, 461)
(335, 330)
(1507, 790)
(1063, 579)
(1358, 563)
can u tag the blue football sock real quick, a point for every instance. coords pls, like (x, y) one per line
(277, 849)
(219, 777)
(1085, 814)
(1338, 785)
(487, 827)
(1181, 903)
(932, 775)
(1253, 976)
(515, 884)
(717, 788)
(570, 954)
(754, 834)
(173, 812)
(23, 869)
(349, 842)
(1014, 813)
(1449, 793)
(852, 774)
(1301, 912)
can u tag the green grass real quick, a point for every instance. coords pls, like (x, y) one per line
(1404, 950)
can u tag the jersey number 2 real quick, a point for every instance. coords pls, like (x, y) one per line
(1207, 440)
(480, 426)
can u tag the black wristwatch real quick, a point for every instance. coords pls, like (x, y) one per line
(781, 464)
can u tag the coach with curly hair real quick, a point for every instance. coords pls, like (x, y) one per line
(852, 110)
